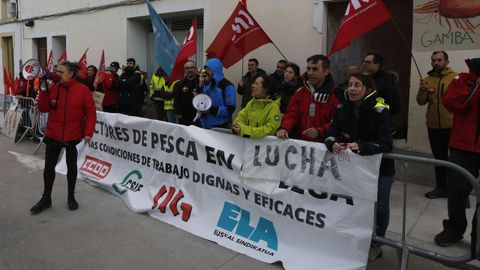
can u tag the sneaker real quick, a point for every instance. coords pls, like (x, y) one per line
(72, 204)
(447, 238)
(438, 192)
(43, 204)
(374, 253)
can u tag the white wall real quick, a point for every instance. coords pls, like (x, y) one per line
(287, 23)
(121, 31)
(14, 31)
(417, 139)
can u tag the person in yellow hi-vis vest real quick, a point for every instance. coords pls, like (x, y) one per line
(168, 103)
(158, 88)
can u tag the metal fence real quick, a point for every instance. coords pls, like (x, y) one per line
(30, 115)
(404, 248)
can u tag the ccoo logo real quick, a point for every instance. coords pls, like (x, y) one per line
(96, 167)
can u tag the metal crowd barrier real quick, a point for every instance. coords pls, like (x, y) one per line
(406, 249)
(41, 128)
(402, 246)
(29, 116)
(6, 102)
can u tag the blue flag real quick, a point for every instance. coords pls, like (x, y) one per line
(166, 46)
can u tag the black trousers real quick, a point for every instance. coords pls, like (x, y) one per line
(52, 154)
(458, 190)
(439, 139)
(111, 109)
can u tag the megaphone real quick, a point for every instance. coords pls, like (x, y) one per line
(202, 103)
(32, 69)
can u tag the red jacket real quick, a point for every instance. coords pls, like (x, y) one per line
(464, 103)
(111, 94)
(298, 111)
(73, 116)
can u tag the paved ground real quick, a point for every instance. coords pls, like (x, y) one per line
(94, 238)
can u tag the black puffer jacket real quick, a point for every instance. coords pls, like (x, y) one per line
(246, 89)
(386, 89)
(286, 91)
(370, 127)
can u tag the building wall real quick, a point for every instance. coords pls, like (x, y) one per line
(14, 31)
(417, 139)
(294, 26)
(120, 32)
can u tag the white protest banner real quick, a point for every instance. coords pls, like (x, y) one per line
(190, 178)
(310, 165)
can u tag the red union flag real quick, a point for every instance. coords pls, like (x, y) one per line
(50, 61)
(83, 65)
(6, 82)
(360, 17)
(189, 49)
(101, 70)
(62, 57)
(240, 35)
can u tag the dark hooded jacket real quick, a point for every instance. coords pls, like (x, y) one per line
(223, 100)
(386, 89)
(246, 89)
(370, 127)
(129, 86)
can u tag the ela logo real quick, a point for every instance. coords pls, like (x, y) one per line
(233, 216)
(128, 183)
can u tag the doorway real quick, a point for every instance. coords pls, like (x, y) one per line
(384, 40)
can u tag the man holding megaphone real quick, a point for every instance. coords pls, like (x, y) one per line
(71, 118)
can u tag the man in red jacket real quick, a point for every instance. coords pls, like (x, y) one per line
(110, 100)
(71, 118)
(311, 108)
(463, 99)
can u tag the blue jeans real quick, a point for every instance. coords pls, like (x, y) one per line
(171, 116)
(383, 204)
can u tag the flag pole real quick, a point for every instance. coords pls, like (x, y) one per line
(407, 45)
(242, 65)
(280, 51)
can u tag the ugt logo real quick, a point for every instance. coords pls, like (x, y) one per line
(130, 182)
(237, 220)
(96, 167)
(172, 200)
(356, 5)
